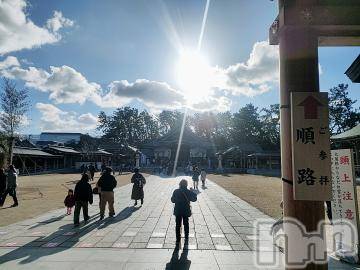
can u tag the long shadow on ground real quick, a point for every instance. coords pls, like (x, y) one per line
(179, 263)
(50, 244)
(65, 237)
(124, 214)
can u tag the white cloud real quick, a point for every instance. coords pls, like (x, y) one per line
(219, 104)
(18, 32)
(54, 119)
(151, 93)
(9, 62)
(65, 84)
(254, 76)
(58, 21)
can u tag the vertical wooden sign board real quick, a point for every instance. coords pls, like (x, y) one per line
(344, 204)
(311, 157)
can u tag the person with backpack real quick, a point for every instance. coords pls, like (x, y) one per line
(182, 197)
(106, 185)
(138, 188)
(83, 196)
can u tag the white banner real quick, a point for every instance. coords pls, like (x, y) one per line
(344, 202)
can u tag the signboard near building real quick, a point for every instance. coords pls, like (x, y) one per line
(310, 146)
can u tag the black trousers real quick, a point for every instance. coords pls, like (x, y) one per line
(12, 193)
(78, 205)
(185, 221)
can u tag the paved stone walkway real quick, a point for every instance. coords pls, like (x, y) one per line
(222, 235)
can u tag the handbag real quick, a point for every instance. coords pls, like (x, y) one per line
(187, 199)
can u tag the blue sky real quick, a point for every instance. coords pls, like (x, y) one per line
(107, 54)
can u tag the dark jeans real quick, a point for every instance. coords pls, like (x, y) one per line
(78, 205)
(185, 221)
(12, 193)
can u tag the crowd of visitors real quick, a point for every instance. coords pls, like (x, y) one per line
(82, 195)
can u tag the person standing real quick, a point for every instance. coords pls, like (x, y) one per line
(11, 184)
(138, 188)
(203, 177)
(92, 171)
(195, 178)
(69, 201)
(182, 210)
(83, 196)
(107, 183)
(2, 183)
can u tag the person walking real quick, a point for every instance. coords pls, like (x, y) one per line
(182, 210)
(107, 183)
(92, 171)
(11, 184)
(2, 183)
(195, 178)
(83, 196)
(138, 188)
(203, 177)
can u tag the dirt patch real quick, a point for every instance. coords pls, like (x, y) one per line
(41, 193)
(264, 193)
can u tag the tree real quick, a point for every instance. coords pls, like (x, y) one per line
(270, 121)
(169, 120)
(246, 125)
(127, 126)
(341, 112)
(14, 104)
(204, 124)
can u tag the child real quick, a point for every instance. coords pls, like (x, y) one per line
(69, 201)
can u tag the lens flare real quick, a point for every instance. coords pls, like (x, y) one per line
(193, 75)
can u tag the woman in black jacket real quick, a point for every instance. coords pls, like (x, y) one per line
(83, 195)
(138, 188)
(182, 210)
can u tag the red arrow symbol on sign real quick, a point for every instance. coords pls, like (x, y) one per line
(310, 105)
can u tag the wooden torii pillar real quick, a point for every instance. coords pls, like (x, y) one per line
(302, 26)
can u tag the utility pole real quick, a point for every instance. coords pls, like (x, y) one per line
(301, 26)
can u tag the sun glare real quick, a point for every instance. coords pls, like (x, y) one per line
(193, 75)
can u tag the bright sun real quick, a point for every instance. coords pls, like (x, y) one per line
(194, 76)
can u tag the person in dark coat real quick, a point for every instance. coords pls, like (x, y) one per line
(195, 177)
(2, 183)
(182, 210)
(106, 185)
(138, 188)
(11, 185)
(69, 201)
(83, 196)
(92, 171)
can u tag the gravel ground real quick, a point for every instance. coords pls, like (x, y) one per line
(260, 191)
